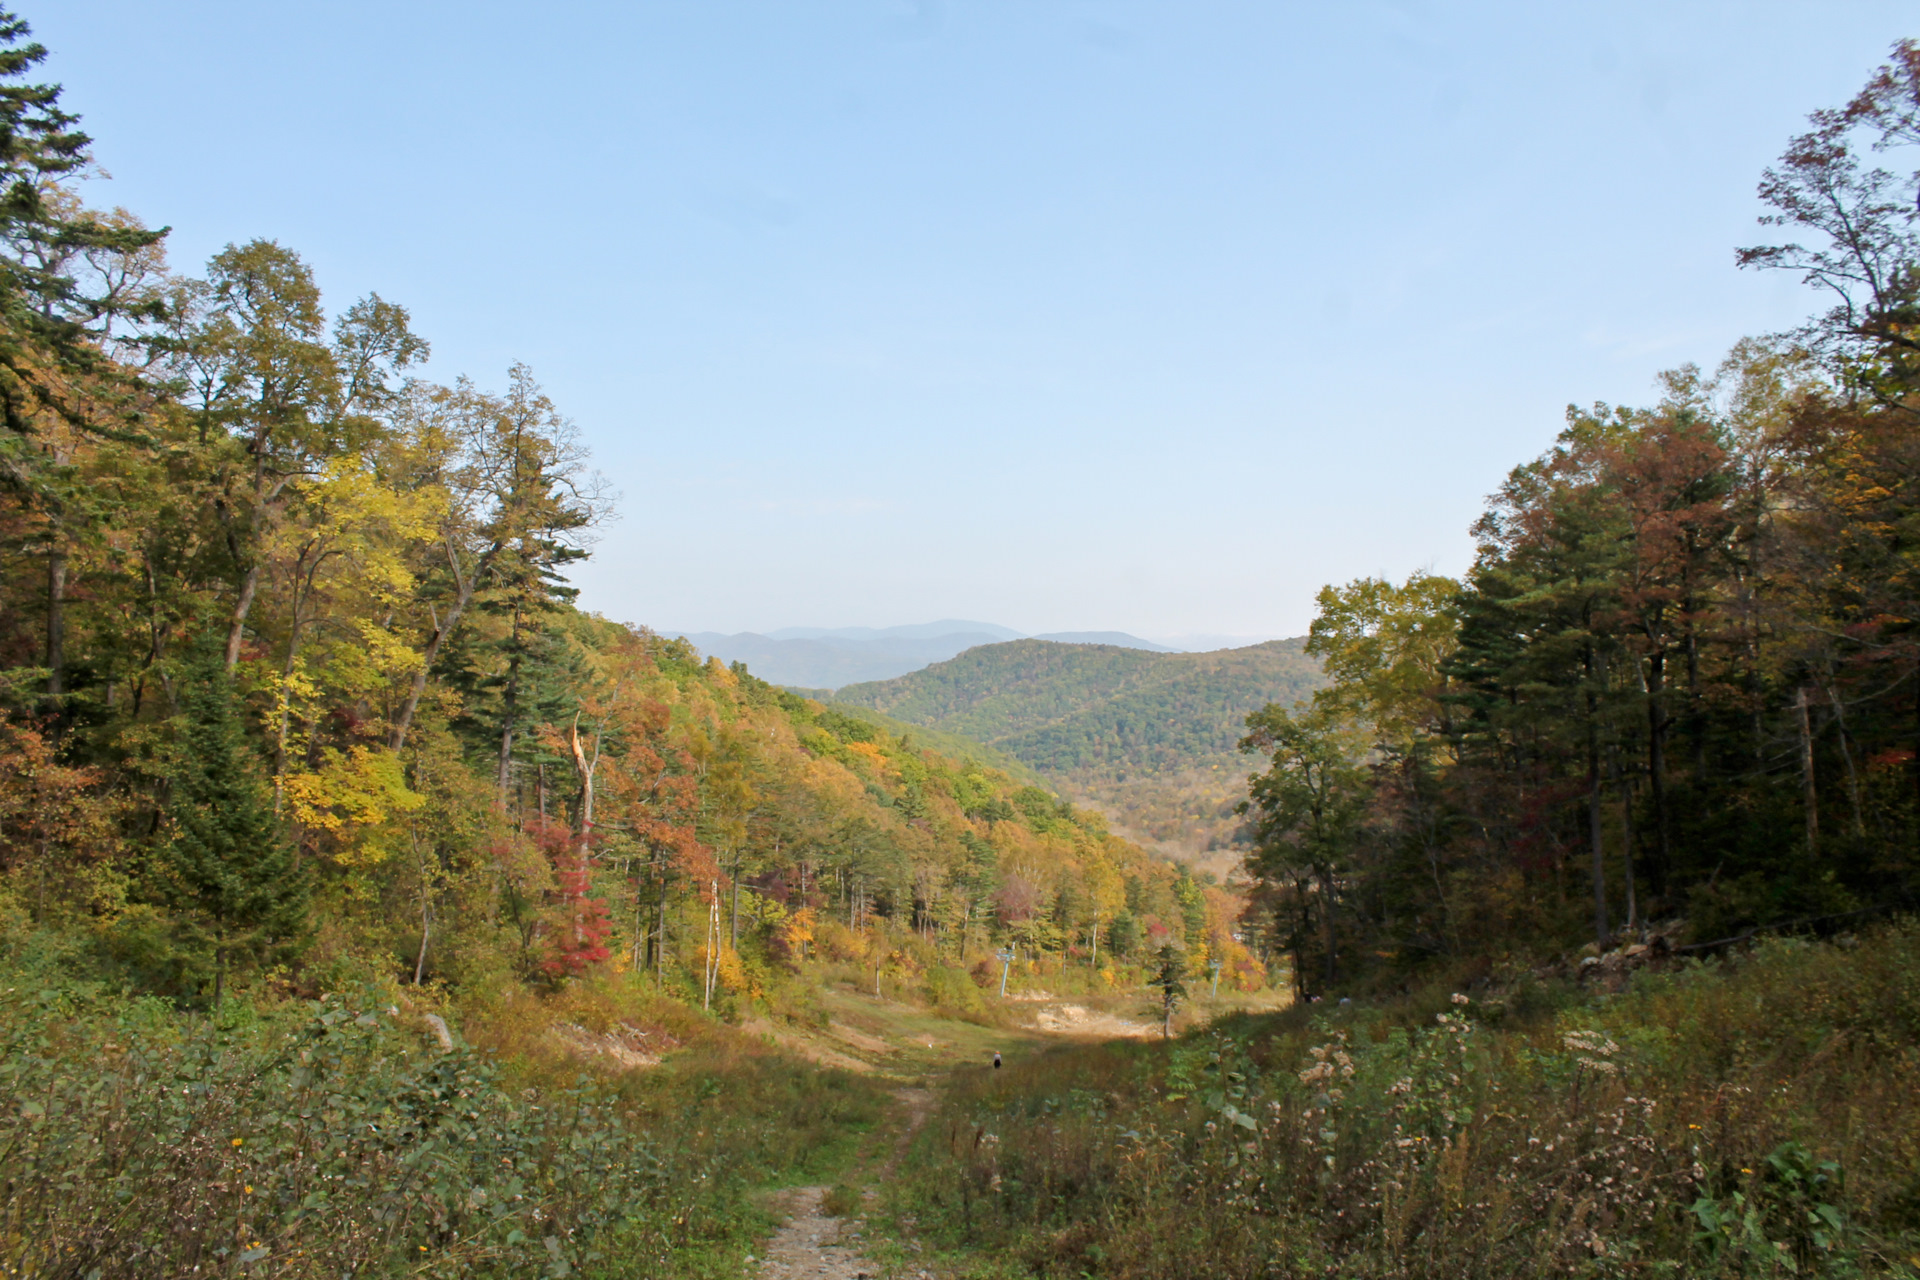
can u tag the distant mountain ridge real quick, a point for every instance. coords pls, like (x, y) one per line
(827, 662)
(817, 658)
(1118, 638)
(913, 631)
(1149, 737)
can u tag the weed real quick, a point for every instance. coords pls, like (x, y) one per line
(335, 1137)
(842, 1201)
(1698, 1124)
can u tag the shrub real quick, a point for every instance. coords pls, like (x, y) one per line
(1756, 1116)
(842, 1201)
(324, 1139)
(951, 991)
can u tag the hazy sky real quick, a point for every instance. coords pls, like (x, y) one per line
(1060, 315)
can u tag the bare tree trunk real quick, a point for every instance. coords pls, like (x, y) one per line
(1696, 706)
(1846, 757)
(506, 729)
(286, 714)
(427, 925)
(1657, 768)
(1601, 925)
(56, 628)
(586, 765)
(1806, 770)
(640, 929)
(1326, 919)
(1601, 928)
(464, 586)
(660, 936)
(733, 929)
(1625, 789)
(237, 629)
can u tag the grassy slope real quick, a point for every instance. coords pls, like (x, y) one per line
(1758, 1116)
(316, 1138)
(1148, 737)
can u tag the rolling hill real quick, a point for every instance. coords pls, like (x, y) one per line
(814, 658)
(1148, 738)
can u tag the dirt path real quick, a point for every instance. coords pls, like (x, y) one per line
(812, 1245)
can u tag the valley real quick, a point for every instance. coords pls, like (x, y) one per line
(1149, 739)
(816, 660)
(374, 905)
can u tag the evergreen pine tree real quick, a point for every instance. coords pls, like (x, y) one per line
(228, 870)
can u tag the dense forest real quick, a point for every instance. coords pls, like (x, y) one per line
(1681, 678)
(1670, 715)
(321, 799)
(1148, 737)
(294, 683)
(367, 907)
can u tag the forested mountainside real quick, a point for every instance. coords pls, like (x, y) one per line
(807, 658)
(1682, 676)
(1149, 737)
(1120, 638)
(920, 736)
(827, 662)
(293, 679)
(1671, 710)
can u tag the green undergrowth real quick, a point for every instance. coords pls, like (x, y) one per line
(335, 1137)
(1754, 1116)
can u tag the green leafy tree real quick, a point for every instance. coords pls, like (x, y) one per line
(1308, 809)
(226, 868)
(46, 314)
(1169, 970)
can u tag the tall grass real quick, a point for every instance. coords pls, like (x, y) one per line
(1754, 1117)
(335, 1138)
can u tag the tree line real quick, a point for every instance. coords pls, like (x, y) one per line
(1682, 677)
(293, 686)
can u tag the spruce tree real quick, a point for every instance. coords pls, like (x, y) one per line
(228, 870)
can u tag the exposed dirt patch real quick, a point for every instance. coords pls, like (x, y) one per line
(813, 1246)
(626, 1046)
(1078, 1020)
(812, 1050)
(859, 1039)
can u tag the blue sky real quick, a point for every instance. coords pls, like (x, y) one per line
(1062, 315)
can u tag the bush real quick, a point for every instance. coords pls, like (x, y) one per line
(952, 992)
(1756, 1116)
(842, 1201)
(334, 1138)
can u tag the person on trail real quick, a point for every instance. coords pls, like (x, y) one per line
(996, 1059)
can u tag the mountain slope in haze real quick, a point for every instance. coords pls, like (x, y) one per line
(819, 658)
(1150, 738)
(912, 631)
(829, 661)
(1120, 638)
